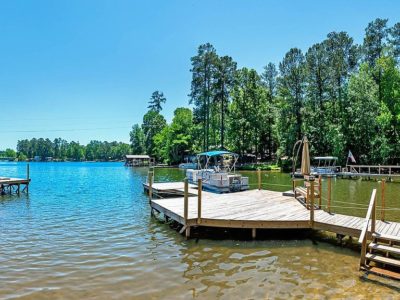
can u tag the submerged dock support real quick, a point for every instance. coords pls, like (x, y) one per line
(312, 203)
(383, 200)
(27, 177)
(150, 179)
(329, 193)
(199, 190)
(186, 207)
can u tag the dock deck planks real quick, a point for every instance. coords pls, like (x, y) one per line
(258, 209)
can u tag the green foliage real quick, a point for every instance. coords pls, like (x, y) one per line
(8, 153)
(291, 90)
(153, 123)
(202, 93)
(248, 111)
(137, 140)
(157, 98)
(175, 140)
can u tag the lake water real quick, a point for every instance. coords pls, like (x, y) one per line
(85, 232)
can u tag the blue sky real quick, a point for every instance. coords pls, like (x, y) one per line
(85, 70)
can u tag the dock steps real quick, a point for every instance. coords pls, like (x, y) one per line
(386, 237)
(383, 272)
(384, 252)
(384, 248)
(383, 260)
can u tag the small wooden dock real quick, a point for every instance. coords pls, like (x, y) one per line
(9, 186)
(15, 186)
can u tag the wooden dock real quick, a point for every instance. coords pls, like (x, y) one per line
(9, 186)
(259, 209)
(369, 172)
(264, 209)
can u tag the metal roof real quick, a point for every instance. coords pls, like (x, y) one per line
(326, 158)
(216, 153)
(130, 156)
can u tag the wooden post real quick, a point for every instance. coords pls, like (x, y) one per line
(27, 177)
(150, 179)
(199, 189)
(186, 206)
(363, 251)
(383, 200)
(329, 193)
(253, 233)
(319, 190)
(373, 217)
(185, 199)
(312, 203)
(259, 178)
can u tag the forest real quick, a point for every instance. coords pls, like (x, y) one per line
(60, 149)
(342, 95)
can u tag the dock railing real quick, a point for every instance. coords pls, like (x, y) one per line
(371, 216)
(389, 170)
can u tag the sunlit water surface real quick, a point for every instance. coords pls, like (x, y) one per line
(85, 232)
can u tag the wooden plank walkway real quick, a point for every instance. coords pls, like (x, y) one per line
(258, 209)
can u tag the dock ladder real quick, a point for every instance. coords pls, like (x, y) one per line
(383, 251)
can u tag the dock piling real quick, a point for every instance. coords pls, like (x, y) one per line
(185, 206)
(312, 203)
(253, 233)
(259, 178)
(329, 193)
(150, 179)
(383, 200)
(199, 189)
(320, 191)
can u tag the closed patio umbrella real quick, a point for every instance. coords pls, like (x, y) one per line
(305, 158)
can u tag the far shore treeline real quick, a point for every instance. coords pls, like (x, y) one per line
(343, 96)
(60, 149)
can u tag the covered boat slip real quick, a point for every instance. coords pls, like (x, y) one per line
(138, 160)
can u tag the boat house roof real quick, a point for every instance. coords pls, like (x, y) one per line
(326, 158)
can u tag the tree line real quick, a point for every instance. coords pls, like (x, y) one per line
(342, 95)
(61, 149)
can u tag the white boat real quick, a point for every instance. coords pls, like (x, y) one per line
(217, 169)
(188, 166)
(326, 166)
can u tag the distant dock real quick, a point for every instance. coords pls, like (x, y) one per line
(369, 172)
(15, 186)
(9, 186)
